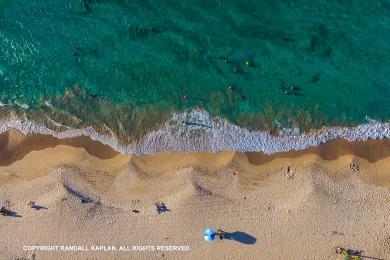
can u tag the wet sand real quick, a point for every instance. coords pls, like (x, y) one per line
(294, 205)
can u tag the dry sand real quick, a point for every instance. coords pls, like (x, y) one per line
(296, 205)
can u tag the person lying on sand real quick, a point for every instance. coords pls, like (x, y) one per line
(348, 254)
(4, 211)
(161, 207)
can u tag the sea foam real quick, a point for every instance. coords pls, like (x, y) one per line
(197, 130)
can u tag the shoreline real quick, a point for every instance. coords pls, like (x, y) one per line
(208, 134)
(36, 155)
(14, 145)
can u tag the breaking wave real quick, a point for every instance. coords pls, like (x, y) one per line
(196, 130)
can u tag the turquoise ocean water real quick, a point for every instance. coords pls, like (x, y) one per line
(260, 64)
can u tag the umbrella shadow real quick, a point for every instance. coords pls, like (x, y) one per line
(240, 237)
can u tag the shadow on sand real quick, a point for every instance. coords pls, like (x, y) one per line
(38, 207)
(10, 213)
(360, 254)
(370, 257)
(240, 237)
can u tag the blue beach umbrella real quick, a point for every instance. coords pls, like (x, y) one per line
(209, 234)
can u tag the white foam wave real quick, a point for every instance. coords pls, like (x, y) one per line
(196, 130)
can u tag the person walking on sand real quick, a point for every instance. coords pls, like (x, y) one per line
(221, 234)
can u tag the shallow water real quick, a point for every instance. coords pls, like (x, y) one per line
(260, 64)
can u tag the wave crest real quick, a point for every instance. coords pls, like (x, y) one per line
(196, 130)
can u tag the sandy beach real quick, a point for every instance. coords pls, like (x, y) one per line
(293, 205)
